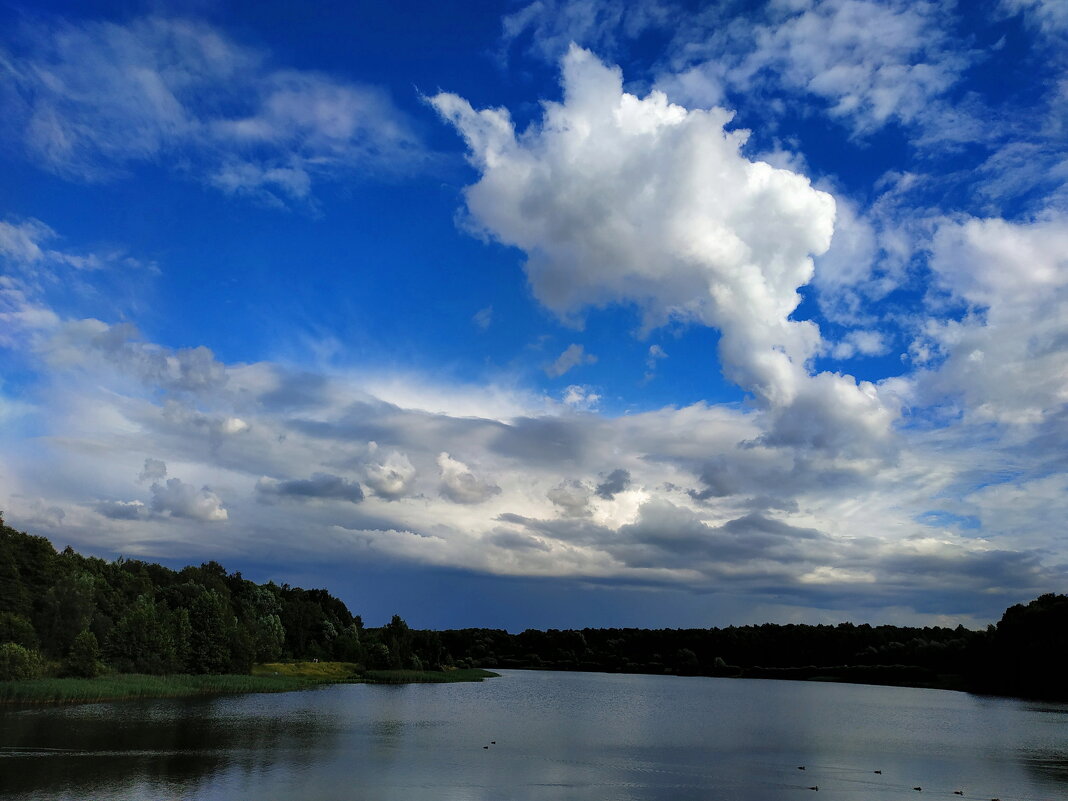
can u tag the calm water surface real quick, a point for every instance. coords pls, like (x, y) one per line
(558, 736)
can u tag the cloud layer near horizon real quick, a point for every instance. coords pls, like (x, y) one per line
(692, 497)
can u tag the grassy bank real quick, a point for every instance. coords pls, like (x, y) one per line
(270, 678)
(349, 672)
(132, 685)
(319, 672)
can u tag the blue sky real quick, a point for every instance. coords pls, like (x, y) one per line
(545, 314)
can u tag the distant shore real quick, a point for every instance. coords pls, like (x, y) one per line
(270, 678)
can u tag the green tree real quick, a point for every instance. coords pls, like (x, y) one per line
(142, 641)
(182, 633)
(13, 595)
(379, 656)
(213, 626)
(66, 609)
(17, 629)
(398, 638)
(347, 646)
(260, 613)
(83, 659)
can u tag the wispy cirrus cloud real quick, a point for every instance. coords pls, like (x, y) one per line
(868, 63)
(88, 99)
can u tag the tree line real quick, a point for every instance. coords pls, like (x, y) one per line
(69, 614)
(1022, 655)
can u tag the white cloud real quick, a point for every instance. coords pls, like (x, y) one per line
(620, 199)
(655, 354)
(865, 343)
(871, 61)
(572, 497)
(1007, 358)
(483, 318)
(553, 25)
(90, 343)
(25, 251)
(90, 98)
(175, 498)
(460, 485)
(1051, 16)
(573, 356)
(21, 243)
(391, 478)
(578, 396)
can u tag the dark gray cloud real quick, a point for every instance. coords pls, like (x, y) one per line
(752, 469)
(122, 510)
(296, 390)
(516, 541)
(615, 482)
(391, 426)
(542, 440)
(665, 534)
(320, 485)
(154, 470)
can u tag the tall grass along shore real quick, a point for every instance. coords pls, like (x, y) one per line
(269, 678)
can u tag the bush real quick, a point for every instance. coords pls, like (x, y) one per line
(19, 662)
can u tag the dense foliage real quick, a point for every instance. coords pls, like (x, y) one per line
(1022, 655)
(84, 615)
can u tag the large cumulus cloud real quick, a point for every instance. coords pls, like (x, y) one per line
(621, 199)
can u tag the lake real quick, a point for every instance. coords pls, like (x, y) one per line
(558, 736)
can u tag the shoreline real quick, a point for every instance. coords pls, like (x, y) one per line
(273, 678)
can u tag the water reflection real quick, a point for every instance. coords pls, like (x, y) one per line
(125, 748)
(533, 736)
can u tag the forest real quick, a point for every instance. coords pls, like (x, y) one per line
(62, 613)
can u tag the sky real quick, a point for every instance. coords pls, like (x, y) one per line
(549, 314)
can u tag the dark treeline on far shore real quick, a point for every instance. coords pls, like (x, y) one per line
(65, 614)
(1023, 655)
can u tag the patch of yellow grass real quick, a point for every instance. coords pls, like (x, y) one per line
(319, 671)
